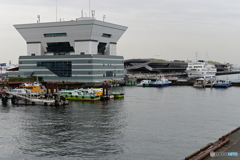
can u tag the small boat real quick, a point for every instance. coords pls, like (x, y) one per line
(78, 95)
(117, 94)
(199, 83)
(161, 81)
(222, 84)
(24, 92)
(145, 83)
(25, 96)
(130, 84)
(210, 82)
(98, 91)
(35, 87)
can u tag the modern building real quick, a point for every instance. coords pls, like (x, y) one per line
(151, 66)
(81, 50)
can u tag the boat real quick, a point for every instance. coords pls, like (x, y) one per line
(161, 81)
(98, 91)
(79, 95)
(222, 84)
(117, 94)
(210, 82)
(25, 96)
(34, 87)
(130, 83)
(24, 92)
(201, 69)
(199, 83)
(144, 83)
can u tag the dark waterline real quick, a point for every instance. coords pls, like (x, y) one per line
(149, 123)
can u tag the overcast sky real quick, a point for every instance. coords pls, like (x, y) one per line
(166, 29)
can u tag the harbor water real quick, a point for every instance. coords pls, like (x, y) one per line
(149, 123)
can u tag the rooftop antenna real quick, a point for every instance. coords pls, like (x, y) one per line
(56, 10)
(89, 8)
(104, 16)
(38, 21)
(93, 13)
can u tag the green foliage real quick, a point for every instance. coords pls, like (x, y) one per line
(214, 62)
(160, 60)
(22, 79)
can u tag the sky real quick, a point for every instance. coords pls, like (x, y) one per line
(162, 29)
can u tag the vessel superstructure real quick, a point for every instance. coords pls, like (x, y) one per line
(201, 69)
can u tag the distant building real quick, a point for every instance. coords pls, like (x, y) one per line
(81, 50)
(150, 66)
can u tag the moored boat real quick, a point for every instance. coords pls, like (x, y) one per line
(161, 81)
(210, 82)
(118, 94)
(78, 95)
(35, 87)
(222, 84)
(199, 83)
(201, 69)
(130, 83)
(145, 83)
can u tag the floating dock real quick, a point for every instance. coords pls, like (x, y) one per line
(226, 147)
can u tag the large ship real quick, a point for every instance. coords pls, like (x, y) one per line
(201, 69)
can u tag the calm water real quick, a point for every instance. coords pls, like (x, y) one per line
(149, 123)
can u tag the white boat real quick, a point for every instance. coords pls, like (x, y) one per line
(201, 69)
(161, 81)
(24, 92)
(222, 84)
(199, 83)
(144, 83)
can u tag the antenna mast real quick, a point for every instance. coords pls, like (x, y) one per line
(196, 56)
(89, 8)
(56, 10)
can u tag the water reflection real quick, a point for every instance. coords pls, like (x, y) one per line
(83, 129)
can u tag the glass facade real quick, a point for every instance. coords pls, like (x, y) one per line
(106, 35)
(59, 47)
(55, 34)
(101, 47)
(60, 68)
(109, 74)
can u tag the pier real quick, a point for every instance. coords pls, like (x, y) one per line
(226, 147)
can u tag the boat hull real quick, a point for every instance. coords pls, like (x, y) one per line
(144, 85)
(221, 85)
(131, 84)
(161, 85)
(118, 94)
(83, 98)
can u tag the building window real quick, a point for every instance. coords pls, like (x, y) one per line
(33, 54)
(101, 47)
(58, 47)
(106, 35)
(109, 73)
(60, 68)
(55, 34)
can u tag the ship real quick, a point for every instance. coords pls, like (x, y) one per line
(201, 69)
